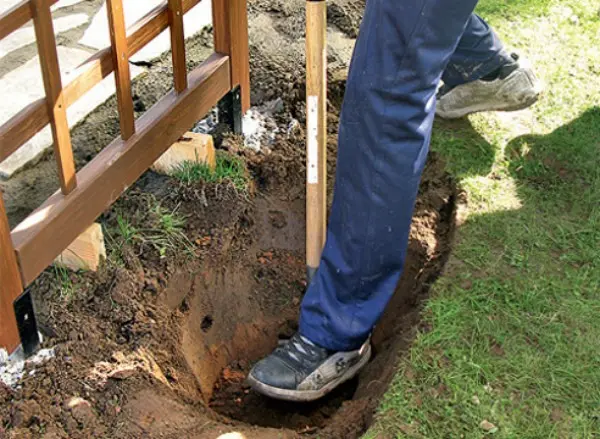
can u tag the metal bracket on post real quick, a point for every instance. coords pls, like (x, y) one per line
(26, 323)
(230, 110)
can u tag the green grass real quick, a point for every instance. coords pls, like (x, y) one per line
(66, 289)
(514, 334)
(151, 226)
(229, 168)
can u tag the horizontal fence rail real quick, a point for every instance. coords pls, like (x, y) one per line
(34, 244)
(29, 121)
(16, 17)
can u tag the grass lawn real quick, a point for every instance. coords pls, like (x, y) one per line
(512, 347)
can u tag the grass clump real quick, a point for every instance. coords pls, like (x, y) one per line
(66, 288)
(153, 226)
(229, 168)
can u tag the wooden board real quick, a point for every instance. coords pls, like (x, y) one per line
(120, 58)
(16, 17)
(57, 109)
(230, 27)
(10, 285)
(35, 117)
(191, 147)
(240, 71)
(220, 19)
(86, 252)
(53, 226)
(177, 45)
(316, 132)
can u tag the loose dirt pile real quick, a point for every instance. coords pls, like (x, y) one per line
(157, 344)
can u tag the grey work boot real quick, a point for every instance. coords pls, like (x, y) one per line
(512, 87)
(299, 370)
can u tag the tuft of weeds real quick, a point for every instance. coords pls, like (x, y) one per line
(166, 234)
(66, 289)
(229, 168)
(153, 226)
(127, 231)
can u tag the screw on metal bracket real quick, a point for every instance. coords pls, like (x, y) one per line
(230, 110)
(26, 323)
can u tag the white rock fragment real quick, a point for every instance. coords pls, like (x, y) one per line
(12, 368)
(488, 426)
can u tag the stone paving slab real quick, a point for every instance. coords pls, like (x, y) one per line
(26, 35)
(64, 3)
(96, 36)
(7, 4)
(24, 85)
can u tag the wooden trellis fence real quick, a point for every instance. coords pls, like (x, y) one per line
(224, 77)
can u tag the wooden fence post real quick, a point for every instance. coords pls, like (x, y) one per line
(10, 285)
(57, 109)
(177, 45)
(120, 52)
(230, 28)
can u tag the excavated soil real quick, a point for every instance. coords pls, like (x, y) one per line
(159, 346)
(157, 343)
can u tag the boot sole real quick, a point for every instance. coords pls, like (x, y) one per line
(309, 395)
(522, 79)
(459, 113)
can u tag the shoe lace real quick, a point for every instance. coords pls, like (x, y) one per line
(301, 351)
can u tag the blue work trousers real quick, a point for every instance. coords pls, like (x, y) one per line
(403, 50)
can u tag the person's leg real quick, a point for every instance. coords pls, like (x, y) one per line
(385, 129)
(479, 53)
(482, 76)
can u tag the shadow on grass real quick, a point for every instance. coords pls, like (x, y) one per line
(537, 260)
(466, 152)
(554, 195)
(568, 156)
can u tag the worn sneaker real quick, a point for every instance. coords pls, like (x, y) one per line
(512, 87)
(299, 370)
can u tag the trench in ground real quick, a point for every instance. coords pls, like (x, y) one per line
(234, 314)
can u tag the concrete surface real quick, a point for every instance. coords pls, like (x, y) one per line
(25, 85)
(26, 35)
(97, 37)
(22, 83)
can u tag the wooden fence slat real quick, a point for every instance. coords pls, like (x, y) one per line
(46, 43)
(240, 57)
(120, 56)
(96, 68)
(230, 27)
(16, 17)
(55, 224)
(220, 19)
(10, 285)
(177, 45)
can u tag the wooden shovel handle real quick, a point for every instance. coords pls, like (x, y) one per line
(316, 132)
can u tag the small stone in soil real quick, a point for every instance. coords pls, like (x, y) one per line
(81, 410)
(122, 373)
(488, 426)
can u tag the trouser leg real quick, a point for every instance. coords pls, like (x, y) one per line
(479, 52)
(385, 129)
